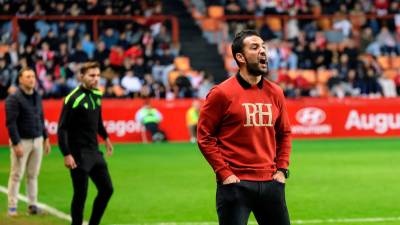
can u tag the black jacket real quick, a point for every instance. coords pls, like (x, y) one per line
(24, 116)
(80, 122)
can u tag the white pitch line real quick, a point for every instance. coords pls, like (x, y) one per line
(51, 210)
(315, 221)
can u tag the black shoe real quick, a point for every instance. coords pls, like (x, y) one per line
(34, 210)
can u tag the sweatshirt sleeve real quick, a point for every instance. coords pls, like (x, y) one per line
(12, 113)
(283, 136)
(63, 128)
(211, 116)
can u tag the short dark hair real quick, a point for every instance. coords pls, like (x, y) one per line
(89, 65)
(237, 43)
(23, 70)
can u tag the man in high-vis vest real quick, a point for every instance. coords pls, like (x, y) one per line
(150, 118)
(192, 117)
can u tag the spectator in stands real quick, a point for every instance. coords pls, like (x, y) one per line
(303, 85)
(116, 57)
(388, 86)
(387, 42)
(287, 84)
(183, 87)
(163, 38)
(101, 54)
(131, 84)
(140, 68)
(352, 54)
(109, 82)
(163, 65)
(71, 40)
(109, 37)
(397, 81)
(370, 86)
(335, 85)
(7, 78)
(353, 84)
(381, 7)
(36, 39)
(366, 39)
(51, 40)
(232, 8)
(13, 54)
(6, 9)
(344, 66)
(343, 25)
(266, 33)
(88, 46)
(205, 85)
(123, 41)
(79, 55)
(62, 55)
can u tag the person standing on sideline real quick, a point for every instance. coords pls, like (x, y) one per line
(192, 117)
(79, 124)
(244, 133)
(28, 137)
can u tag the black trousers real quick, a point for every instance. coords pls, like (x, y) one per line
(266, 199)
(93, 166)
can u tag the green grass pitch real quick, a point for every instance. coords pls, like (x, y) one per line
(155, 183)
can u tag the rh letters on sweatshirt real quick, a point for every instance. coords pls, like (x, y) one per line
(258, 114)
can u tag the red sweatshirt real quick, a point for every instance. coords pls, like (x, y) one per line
(244, 130)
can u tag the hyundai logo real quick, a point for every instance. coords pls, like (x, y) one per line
(310, 116)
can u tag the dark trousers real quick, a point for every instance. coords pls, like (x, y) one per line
(92, 166)
(152, 127)
(266, 199)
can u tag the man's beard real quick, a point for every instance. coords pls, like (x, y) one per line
(255, 70)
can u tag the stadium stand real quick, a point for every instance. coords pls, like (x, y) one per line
(316, 48)
(139, 56)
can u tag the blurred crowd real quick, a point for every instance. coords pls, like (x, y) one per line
(346, 48)
(136, 56)
(302, 7)
(353, 52)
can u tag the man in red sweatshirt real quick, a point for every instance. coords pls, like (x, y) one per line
(244, 133)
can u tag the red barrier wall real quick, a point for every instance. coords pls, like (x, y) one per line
(310, 118)
(352, 117)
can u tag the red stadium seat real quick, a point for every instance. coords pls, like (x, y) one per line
(182, 63)
(391, 73)
(3, 49)
(310, 76)
(274, 23)
(396, 62)
(293, 73)
(323, 76)
(384, 62)
(209, 24)
(215, 11)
